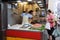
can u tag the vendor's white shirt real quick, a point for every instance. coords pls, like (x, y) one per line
(28, 15)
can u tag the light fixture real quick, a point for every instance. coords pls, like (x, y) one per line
(21, 3)
(24, 2)
(29, 0)
(39, 2)
(16, 4)
(18, 1)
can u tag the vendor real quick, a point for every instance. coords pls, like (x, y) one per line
(29, 15)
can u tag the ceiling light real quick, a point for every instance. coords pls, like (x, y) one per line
(39, 2)
(18, 1)
(29, 0)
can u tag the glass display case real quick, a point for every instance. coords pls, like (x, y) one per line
(18, 27)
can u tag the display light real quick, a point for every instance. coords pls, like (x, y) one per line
(19, 1)
(39, 2)
(16, 4)
(24, 2)
(29, 0)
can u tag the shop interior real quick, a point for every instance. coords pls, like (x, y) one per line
(17, 27)
(16, 21)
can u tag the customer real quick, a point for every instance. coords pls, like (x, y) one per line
(50, 19)
(58, 21)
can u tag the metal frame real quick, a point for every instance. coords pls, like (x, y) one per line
(3, 20)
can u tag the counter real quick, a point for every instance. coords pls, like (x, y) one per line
(20, 34)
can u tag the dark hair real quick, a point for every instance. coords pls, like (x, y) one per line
(49, 11)
(24, 11)
(30, 11)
